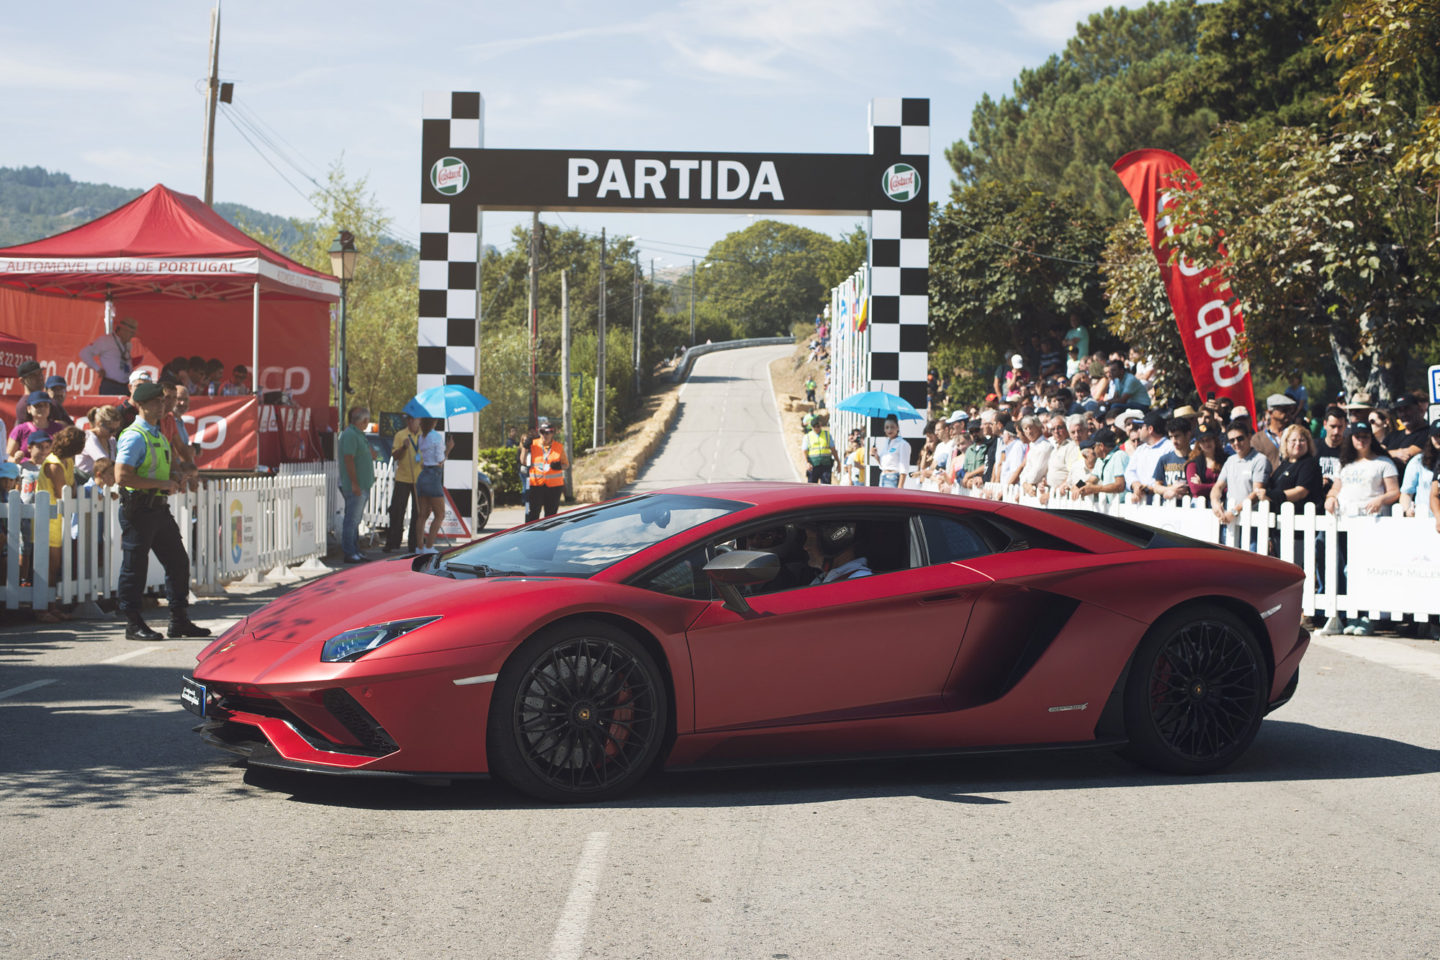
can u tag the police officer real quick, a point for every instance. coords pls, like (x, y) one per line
(142, 463)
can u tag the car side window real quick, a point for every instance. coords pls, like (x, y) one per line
(950, 539)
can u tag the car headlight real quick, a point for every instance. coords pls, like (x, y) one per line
(354, 644)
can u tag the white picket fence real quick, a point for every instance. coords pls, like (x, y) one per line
(90, 541)
(374, 515)
(1377, 566)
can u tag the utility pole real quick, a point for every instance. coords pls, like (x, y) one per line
(600, 355)
(533, 312)
(635, 295)
(565, 376)
(692, 301)
(212, 95)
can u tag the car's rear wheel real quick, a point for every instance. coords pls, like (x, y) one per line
(1196, 691)
(579, 713)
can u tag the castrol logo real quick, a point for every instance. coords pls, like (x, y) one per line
(901, 182)
(449, 176)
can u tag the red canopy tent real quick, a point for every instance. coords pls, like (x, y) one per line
(13, 352)
(161, 244)
(192, 281)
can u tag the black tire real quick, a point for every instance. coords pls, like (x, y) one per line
(483, 508)
(1196, 692)
(579, 714)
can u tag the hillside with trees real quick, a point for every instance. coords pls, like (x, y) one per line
(37, 203)
(1314, 129)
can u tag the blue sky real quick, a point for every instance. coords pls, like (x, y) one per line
(112, 92)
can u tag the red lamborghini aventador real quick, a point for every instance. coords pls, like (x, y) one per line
(760, 623)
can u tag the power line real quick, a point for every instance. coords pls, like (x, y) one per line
(249, 125)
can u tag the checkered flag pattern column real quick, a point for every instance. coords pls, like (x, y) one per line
(449, 272)
(900, 262)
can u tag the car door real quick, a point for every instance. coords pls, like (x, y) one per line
(881, 645)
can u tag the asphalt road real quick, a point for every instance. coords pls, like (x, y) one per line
(121, 835)
(727, 427)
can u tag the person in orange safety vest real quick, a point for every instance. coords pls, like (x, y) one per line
(547, 474)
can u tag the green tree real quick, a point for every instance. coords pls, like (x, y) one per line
(1324, 247)
(1390, 54)
(771, 274)
(1070, 119)
(1008, 260)
(1256, 60)
(382, 301)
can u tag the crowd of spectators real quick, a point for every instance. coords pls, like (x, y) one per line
(1062, 424)
(48, 449)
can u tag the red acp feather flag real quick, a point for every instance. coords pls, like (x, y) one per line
(1209, 320)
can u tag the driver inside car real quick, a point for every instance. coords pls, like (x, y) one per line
(784, 542)
(833, 549)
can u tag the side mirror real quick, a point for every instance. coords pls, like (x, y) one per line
(729, 571)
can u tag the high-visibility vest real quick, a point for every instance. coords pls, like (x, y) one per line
(818, 445)
(156, 465)
(547, 470)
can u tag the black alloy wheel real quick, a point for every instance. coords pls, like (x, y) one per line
(1196, 692)
(579, 713)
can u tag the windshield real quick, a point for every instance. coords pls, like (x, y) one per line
(585, 542)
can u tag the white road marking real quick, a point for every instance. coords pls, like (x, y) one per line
(1379, 650)
(131, 655)
(24, 688)
(569, 937)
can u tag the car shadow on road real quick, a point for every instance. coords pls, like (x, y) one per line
(1283, 752)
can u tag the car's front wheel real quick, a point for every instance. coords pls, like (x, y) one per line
(579, 713)
(1196, 691)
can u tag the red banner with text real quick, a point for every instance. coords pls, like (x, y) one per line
(234, 433)
(1210, 321)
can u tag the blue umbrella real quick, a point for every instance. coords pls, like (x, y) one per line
(879, 403)
(446, 401)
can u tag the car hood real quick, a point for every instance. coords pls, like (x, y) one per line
(285, 636)
(377, 593)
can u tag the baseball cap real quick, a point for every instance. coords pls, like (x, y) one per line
(1017, 361)
(1435, 428)
(54, 382)
(1359, 426)
(28, 367)
(138, 375)
(147, 391)
(9, 471)
(1105, 436)
(37, 436)
(1087, 444)
(1239, 413)
(957, 416)
(39, 396)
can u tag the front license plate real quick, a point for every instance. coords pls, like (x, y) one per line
(192, 696)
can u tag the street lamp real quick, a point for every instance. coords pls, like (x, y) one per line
(342, 265)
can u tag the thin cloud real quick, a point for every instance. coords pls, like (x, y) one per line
(491, 49)
(1055, 20)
